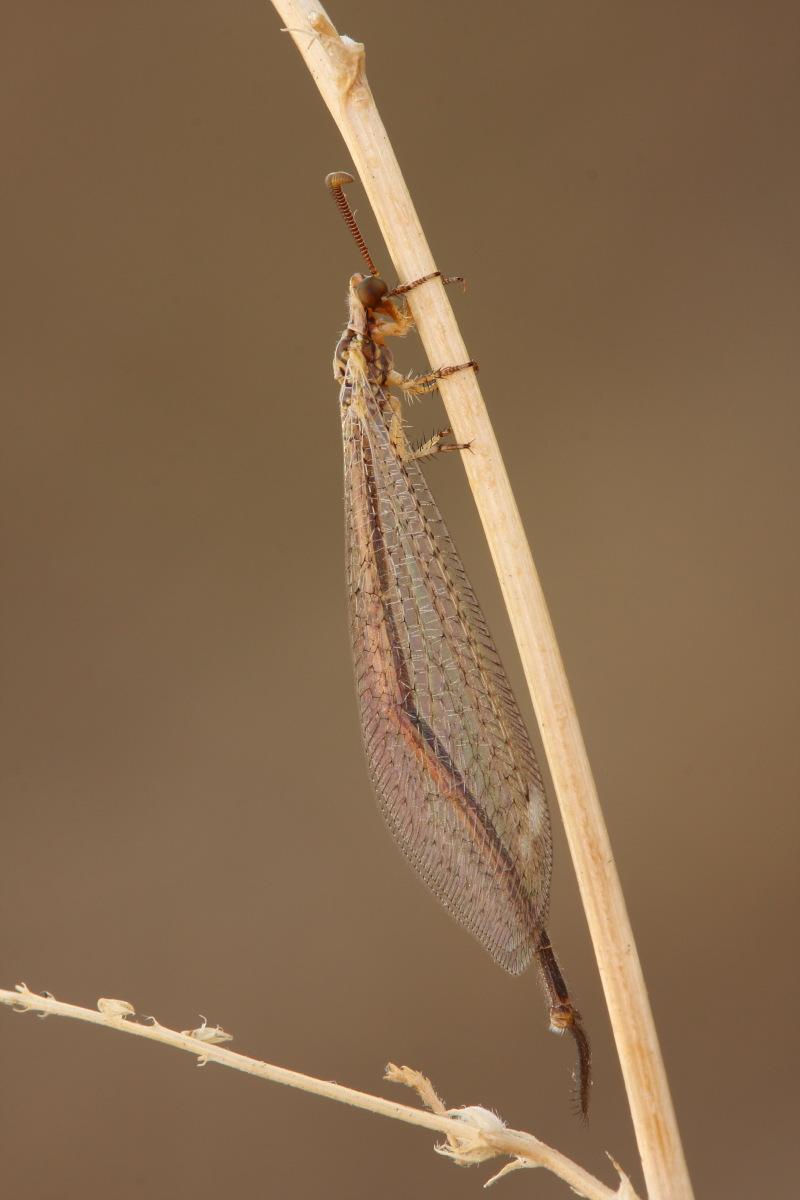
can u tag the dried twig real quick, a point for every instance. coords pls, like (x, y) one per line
(337, 65)
(473, 1134)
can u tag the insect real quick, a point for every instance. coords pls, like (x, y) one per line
(449, 756)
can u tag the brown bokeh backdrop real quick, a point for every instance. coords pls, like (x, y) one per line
(187, 818)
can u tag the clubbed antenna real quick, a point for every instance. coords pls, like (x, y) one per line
(335, 182)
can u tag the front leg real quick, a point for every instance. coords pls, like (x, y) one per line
(402, 288)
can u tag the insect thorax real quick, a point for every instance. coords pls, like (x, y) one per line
(359, 350)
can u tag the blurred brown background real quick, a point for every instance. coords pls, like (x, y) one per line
(187, 819)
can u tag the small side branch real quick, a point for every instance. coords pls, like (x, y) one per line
(473, 1134)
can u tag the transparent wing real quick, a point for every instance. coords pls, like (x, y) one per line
(450, 759)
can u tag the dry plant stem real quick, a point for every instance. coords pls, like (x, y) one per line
(524, 1148)
(469, 1139)
(337, 65)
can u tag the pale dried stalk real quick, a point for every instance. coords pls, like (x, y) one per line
(474, 1135)
(337, 65)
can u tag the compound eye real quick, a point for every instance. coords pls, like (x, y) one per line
(372, 291)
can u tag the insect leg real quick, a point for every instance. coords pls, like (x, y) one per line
(434, 445)
(414, 385)
(402, 288)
